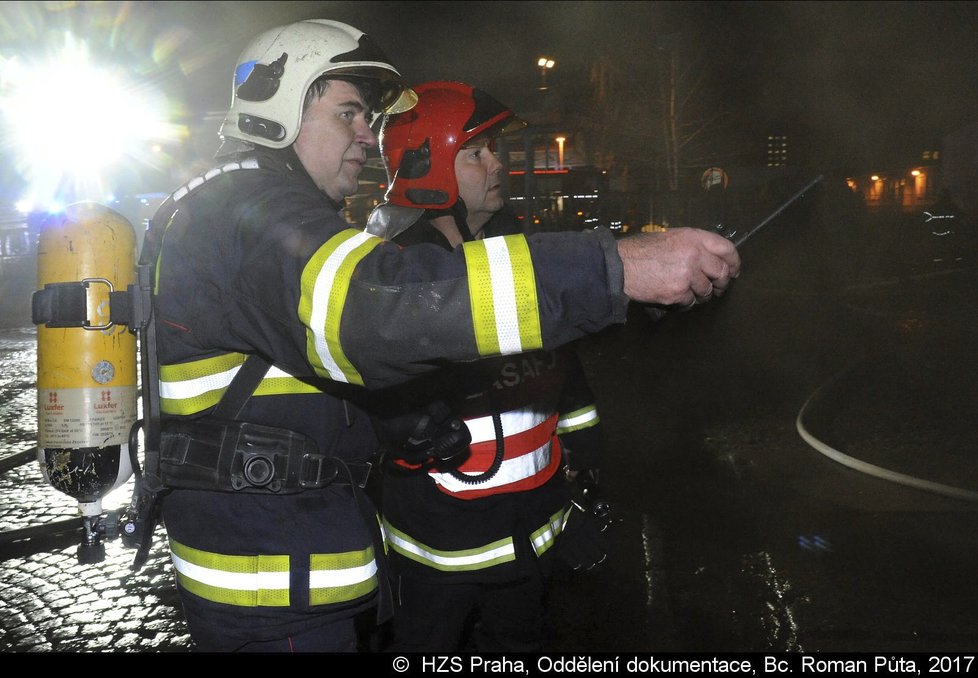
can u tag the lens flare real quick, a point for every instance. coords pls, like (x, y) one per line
(72, 123)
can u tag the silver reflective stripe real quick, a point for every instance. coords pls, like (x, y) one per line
(468, 559)
(545, 537)
(342, 577)
(323, 288)
(511, 471)
(514, 422)
(196, 182)
(191, 388)
(572, 421)
(504, 296)
(239, 581)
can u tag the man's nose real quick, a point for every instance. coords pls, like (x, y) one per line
(365, 136)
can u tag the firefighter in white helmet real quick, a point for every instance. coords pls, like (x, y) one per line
(273, 314)
(272, 540)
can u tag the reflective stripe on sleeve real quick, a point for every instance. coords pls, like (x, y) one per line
(585, 417)
(546, 536)
(502, 289)
(465, 560)
(325, 283)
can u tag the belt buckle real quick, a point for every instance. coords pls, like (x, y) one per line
(311, 471)
(366, 475)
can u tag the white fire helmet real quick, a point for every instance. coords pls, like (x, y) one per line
(275, 71)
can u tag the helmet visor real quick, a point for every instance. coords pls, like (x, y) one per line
(489, 136)
(392, 95)
(398, 99)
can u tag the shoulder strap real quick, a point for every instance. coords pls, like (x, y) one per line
(243, 384)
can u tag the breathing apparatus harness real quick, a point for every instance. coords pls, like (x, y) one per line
(218, 452)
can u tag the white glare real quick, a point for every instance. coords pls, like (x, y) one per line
(70, 121)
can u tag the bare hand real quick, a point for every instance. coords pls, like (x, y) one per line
(679, 267)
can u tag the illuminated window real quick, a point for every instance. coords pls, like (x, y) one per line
(777, 150)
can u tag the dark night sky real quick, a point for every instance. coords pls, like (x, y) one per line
(859, 76)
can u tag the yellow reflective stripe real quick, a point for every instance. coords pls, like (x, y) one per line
(465, 560)
(284, 385)
(503, 294)
(586, 417)
(341, 577)
(246, 581)
(480, 295)
(264, 580)
(325, 283)
(205, 367)
(192, 387)
(546, 536)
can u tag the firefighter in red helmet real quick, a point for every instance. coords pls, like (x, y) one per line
(473, 521)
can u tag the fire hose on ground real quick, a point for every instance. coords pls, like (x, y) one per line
(857, 464)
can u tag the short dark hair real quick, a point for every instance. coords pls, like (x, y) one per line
(369, 89)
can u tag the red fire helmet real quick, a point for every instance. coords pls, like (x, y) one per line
(419, 146)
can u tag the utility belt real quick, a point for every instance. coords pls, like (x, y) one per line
(236, 456)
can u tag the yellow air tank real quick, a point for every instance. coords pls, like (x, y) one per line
(86, 375)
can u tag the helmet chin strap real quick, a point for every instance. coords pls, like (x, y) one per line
(461, 214)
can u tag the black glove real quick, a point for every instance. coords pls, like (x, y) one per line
(432, 436)
(583, 543)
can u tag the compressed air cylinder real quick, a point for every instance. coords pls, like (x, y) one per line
(86, 376)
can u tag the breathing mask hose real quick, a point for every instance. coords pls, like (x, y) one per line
(497, 461)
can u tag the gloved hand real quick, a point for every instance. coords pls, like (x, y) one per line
(433, 435)
(583, 543)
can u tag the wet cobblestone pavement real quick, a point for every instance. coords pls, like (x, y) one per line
(50, 602)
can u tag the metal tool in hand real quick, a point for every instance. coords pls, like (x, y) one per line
(732, 234)
(656, 312)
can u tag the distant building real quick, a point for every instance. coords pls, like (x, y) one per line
(912, 186)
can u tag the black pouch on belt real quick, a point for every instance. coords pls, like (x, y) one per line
(235, 456)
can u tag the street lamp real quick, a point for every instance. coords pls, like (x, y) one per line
(545, 64)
